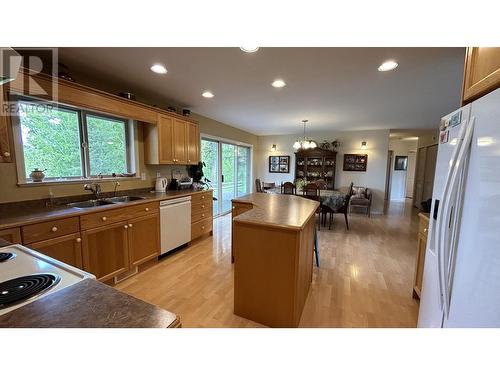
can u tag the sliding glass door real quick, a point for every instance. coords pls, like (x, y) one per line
(227, 166)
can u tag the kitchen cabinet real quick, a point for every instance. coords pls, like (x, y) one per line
(143, 239)
(50, 229)
(201, 214)
(179, 142)
(5, 139)
(481, 73)
(12, 235)
(238, 209)
(171, 141)
(67, 249)
(105, 250)
(193, 143)
(419, 263)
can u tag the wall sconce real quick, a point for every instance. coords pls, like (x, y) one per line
(363, 145)
(273, 148)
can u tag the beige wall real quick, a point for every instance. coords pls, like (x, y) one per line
(374, 177)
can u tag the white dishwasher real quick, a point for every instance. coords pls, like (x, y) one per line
(175, 223)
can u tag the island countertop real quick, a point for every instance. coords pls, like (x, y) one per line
(277, 210)
(89, 304)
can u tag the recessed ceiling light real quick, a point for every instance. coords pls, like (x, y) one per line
(207, 94)
(249, 49)
(278, 83)
(159, 69)
(388, 65)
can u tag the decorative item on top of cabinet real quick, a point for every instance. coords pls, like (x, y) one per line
(419, 263)
(481, 72)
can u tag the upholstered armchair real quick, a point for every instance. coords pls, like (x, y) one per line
(361, 197)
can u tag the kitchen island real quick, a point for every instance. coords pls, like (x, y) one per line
(272, 249)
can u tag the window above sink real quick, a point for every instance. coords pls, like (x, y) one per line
(71, 144)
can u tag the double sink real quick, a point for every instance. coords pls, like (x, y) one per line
(103, 202)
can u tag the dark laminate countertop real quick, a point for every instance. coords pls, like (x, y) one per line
(17, 217)
(88, 304)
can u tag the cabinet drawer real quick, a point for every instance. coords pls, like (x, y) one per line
(200, 228)
(200, 207)
(116, 215)
(201, 197)
(49, 229)
(201, 215)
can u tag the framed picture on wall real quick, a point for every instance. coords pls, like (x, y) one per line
(401, 163)
(355, 162)
(279, 164)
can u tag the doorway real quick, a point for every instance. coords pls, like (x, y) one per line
(228, 167)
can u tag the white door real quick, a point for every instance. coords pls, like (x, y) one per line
(410, 173)
(431, 308)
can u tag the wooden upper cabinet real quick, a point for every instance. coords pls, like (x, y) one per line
(179, 144)
(482, 72)
(5, 139)
(165, 139)
(193, 143)
(105, 251)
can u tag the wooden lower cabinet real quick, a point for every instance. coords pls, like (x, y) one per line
(144, 239)
(105, 250)
(238, 209)
(201, 214)
(67, 249)
(12, 235)
(420, 261)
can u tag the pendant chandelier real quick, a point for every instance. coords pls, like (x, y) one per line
(304, 144)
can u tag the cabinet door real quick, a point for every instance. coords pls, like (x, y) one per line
(67, 249)
(12, 235)
(180, 154)
(105, 251)
(482, 72)
(144, 239)
(165, 139)
(419, 267)
(5, 152)
(193, 143)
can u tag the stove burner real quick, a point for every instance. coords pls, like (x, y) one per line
(22, 288)
(6, 256)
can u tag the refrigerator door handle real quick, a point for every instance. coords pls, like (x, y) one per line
(440, 216)
(454, 183)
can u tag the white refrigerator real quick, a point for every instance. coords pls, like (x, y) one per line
(461, 282)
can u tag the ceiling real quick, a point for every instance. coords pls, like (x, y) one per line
(335, 88)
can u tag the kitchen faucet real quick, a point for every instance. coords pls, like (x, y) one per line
(94, 188)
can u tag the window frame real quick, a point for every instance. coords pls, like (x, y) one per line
(131, 154)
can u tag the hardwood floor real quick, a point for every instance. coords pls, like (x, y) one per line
(364, 280)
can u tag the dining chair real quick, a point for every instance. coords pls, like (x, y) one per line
(327, 211)
(288, 188)
(321, 184)
(311, 191)
(258, 185)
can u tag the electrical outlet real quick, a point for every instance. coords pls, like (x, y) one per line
(143, 176)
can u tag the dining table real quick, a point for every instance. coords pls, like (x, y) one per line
(333, 199)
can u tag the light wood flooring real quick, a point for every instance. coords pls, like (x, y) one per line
(364, 280)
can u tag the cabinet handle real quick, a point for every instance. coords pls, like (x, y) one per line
(78, 239)
(202, 215)
(6, 154)
(130, 225)
(202, 227)
(425, 230)
(189, 160)
(104, 218)
(54, 229)
(202, 206)
(234, 207)
(125, 226)
(202, 197)
(146, 209)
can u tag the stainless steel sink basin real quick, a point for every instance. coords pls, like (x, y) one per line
(124, 199)
(90, 203)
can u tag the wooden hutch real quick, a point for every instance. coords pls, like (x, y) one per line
(315, 164)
